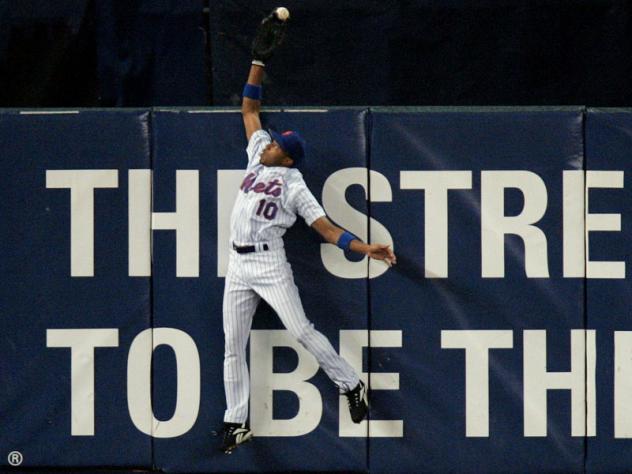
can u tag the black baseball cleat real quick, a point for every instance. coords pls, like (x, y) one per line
(234, 434)
(357, 400)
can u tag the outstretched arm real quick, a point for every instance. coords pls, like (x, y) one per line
(250, 107)
(269, 36)
(332, 234)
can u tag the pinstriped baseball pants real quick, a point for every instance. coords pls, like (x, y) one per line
(268, 275)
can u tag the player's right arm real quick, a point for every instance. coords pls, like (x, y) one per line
(250, 107)
(343, 239)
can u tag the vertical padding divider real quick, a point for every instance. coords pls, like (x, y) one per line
(152, 146)
(368, 131)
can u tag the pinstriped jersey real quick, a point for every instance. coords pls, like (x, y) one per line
(269, 199)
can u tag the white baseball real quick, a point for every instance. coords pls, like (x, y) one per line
(282, 13)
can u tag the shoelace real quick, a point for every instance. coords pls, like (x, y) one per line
(354, 399)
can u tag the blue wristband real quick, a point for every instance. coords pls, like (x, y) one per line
(345, 239)
(253, 92)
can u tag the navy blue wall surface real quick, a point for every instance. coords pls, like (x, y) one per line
(423, 306)
(608, 141)
(367, 167)
(39, 294)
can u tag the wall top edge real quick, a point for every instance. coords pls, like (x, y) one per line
(69, 110)
(609, 110)
(319, 109)
(477, 109)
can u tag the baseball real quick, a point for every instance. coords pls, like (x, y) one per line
(282, 13)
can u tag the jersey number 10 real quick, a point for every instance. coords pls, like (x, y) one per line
(269, 210)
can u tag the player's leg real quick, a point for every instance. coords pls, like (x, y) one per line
(282, 295)
(275, 284)
(240, 303)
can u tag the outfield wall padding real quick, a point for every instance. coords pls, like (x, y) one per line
(489, 347)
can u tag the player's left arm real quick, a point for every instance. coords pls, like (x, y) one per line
(269, 36)
(337, 236)
(250, 107)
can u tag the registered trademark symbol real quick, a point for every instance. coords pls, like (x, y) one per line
(15, 458)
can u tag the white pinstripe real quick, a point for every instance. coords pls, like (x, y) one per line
(268, 275)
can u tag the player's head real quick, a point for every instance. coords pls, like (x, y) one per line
(287, 149)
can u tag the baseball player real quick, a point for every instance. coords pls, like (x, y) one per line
(271, 196)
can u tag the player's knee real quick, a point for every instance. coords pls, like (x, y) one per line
(304, 333)
(232, 347)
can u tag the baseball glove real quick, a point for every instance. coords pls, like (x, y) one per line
(270, 35)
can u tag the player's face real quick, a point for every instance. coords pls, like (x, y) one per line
(273, 155)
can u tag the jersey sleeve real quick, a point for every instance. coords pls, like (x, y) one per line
(305, 204)
(258, 141)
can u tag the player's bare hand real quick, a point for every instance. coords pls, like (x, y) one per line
(382, 252)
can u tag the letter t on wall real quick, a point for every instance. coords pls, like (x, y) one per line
(477, 344)
(82, 184)
(82, 343)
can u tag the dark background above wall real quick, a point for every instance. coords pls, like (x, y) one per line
(388, 52)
